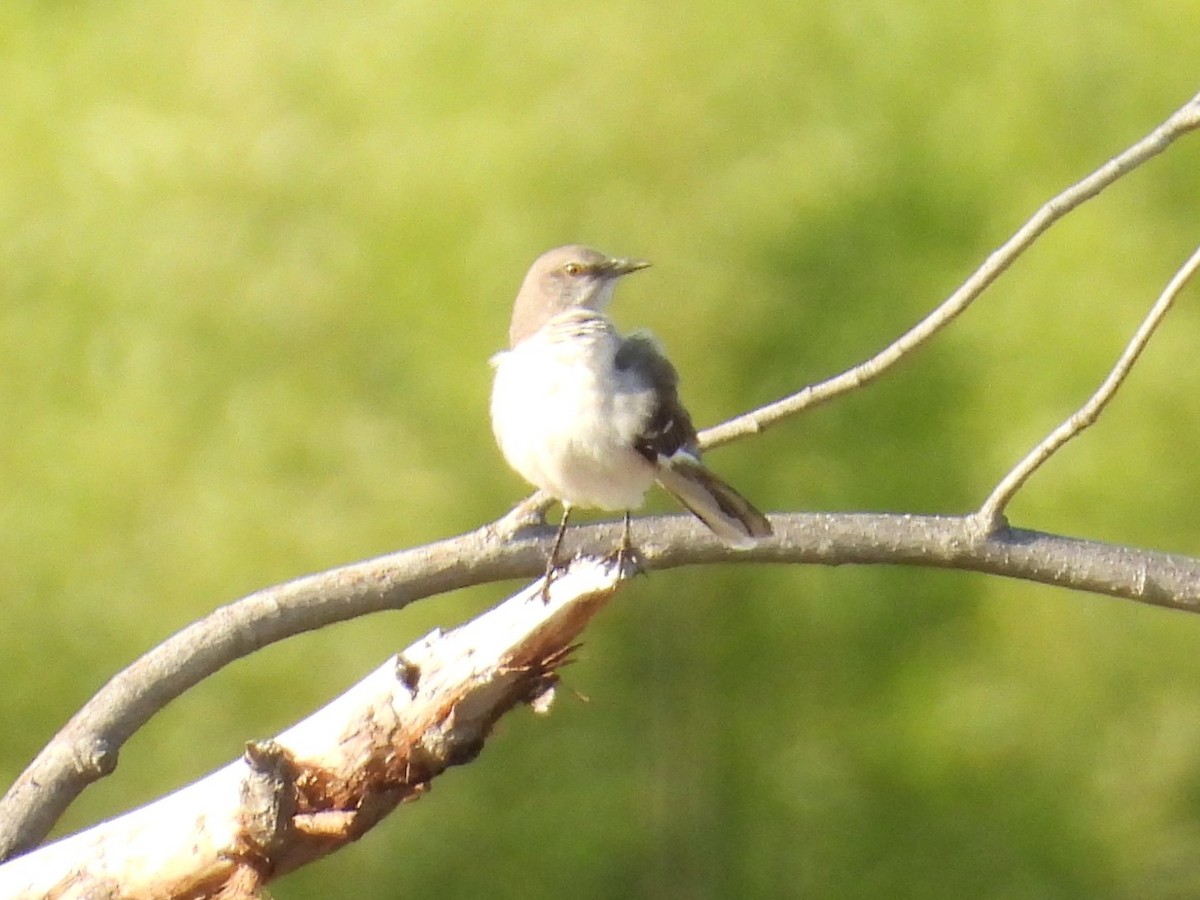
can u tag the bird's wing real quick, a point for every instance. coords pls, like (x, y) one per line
(668, 428)
(668, 440)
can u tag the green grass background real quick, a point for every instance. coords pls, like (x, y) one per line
(254, 257)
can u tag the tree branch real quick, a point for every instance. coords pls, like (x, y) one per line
(329, 779)
(991, 515)
(1182, 121)
(86, 748)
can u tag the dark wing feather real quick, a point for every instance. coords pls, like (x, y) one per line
(669, 427)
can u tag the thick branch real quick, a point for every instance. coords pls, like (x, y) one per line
(86, 748)
(329, 779)
(1185, 119)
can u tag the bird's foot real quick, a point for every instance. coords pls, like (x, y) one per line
(552, 572)
(628, 560)
(626, 556)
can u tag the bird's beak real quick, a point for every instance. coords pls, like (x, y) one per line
(619, 266)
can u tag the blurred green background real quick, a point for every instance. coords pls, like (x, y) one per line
(255, 257)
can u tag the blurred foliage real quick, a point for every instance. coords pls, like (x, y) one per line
(253, 260)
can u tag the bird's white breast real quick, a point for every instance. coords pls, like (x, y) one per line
(565, 417)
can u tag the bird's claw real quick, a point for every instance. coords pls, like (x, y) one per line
(628, 561)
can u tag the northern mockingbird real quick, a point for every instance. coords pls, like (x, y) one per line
(593, 418)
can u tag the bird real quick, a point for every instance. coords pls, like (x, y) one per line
(593, 417)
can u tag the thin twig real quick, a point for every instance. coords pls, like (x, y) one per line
(1185, 119)
(991, 514)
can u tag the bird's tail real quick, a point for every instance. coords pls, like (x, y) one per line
(731, 516)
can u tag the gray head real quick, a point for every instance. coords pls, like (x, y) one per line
(565, 278)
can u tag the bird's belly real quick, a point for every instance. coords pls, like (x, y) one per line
(568, 437)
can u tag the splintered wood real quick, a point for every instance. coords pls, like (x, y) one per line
(331, 777)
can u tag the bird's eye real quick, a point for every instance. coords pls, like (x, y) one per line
(572, 268)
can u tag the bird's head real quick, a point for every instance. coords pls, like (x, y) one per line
(570, 277)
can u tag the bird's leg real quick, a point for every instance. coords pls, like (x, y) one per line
(552, 559)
